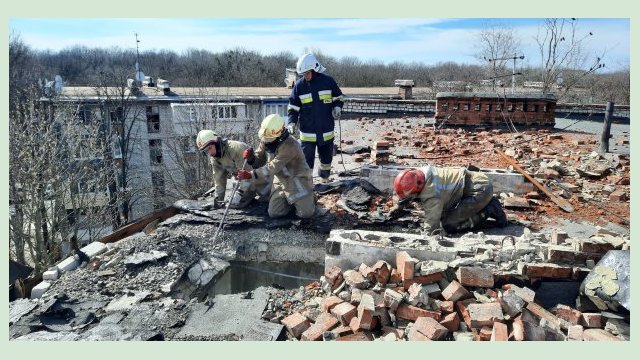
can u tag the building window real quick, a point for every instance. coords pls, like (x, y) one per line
(155, 151)
(525, 107)
(225, 112)
(510, 107)
(157, 182)
(445, 106)
(456, 107)
(488, 107)
(153, 119)
(535, 108)
(520, 107)
(477, 107)
(84, 115)
(545, 108)
(498, 107)
(465, 107)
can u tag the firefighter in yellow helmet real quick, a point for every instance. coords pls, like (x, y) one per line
(280, 155)
(226, 159)
(456, 198)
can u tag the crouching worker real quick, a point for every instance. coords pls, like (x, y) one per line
(226, 159)
(280, 155)
(455, 198)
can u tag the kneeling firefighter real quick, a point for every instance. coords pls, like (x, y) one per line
(226, 159)
(280, 156)
(455, 199)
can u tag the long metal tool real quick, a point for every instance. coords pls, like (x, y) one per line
(562, 203)
(224, 216)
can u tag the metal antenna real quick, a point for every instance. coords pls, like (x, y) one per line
(513, 74)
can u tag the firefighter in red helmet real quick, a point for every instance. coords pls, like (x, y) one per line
(454, 199)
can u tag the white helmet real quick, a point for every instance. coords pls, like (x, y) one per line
(308, 62)
(206, 138)
(271, 128)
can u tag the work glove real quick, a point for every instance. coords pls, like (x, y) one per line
(336, 112)
(291, 127)
(244, 175)
(249, 155)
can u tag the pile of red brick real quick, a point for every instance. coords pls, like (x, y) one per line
(410, 303)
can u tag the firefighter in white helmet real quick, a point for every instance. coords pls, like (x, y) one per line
(455, 198)
(226, 159)
(314, 104)
(279, 155)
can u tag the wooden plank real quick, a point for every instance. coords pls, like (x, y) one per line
(563, 204)
(139, 224)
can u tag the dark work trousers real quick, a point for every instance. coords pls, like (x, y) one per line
(325, 152)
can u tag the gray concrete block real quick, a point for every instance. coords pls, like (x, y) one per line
(40, 289)
(94, 249)
(68, 264)
(50, 274)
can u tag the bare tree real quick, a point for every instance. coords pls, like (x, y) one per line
(497, 46)
(563, 59)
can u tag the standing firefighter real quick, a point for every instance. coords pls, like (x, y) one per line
(315, 103)
(279, 155)
(457, 198)
(226, 159)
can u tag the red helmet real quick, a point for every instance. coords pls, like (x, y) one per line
(408, 182)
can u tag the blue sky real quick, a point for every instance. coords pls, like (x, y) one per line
(383, 39)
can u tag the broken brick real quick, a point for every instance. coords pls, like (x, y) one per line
(405, 264)
(395, 276)
(565, 312)
(575, 332)
(392, 299)
(524, 293)
(296, 324)
(324, 322)
(599, 335)
(544, 314)
(455, 292)
(355, 279)
(382, 272)
(464, 311)
(591, 320)
(499, 332)
(484, 334)
(366, 311)
(410, 312)
(415, 335)
(446, 306)
(451, 322)
(430, 328)
(333, 276)
(484, 314)
(475, 276)
(344, 312)
(517, 329)
(549, 270)
(367, 273)
(329, 302)
(619, 195)
(360, 336)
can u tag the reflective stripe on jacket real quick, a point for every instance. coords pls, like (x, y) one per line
(443, 189)
(228, 163)
(288, 167)
(310, 105)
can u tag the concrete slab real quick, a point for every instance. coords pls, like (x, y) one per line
(347, 249)
(126, 302)
(68, 264)
(228, 315)
(40, 289)
(19, 308)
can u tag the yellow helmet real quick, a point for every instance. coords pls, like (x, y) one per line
(206, 138)
(271, 128)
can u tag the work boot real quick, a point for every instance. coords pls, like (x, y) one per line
(494, 211)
